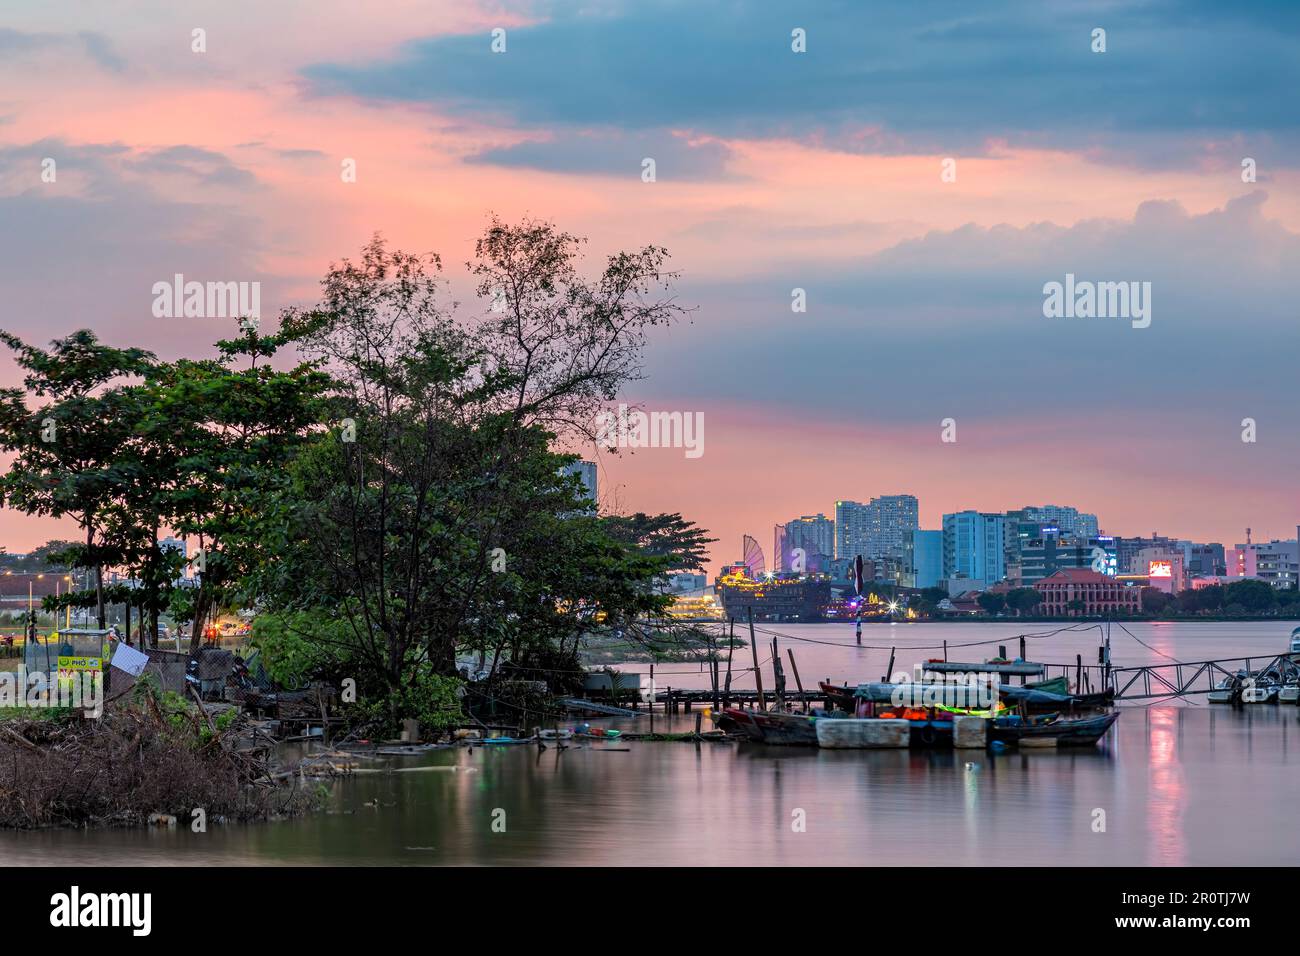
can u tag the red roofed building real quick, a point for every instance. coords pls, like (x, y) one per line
(1098, 594)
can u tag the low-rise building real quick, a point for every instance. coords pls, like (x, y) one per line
(1083, 592)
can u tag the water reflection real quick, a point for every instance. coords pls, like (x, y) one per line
(1181, 785)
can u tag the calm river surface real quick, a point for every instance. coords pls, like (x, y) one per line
(1179, 783)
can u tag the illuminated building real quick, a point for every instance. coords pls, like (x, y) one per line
(772, 599)
(850, 529)
(1164, 567)
(703, 608)
(1128, 548)
(880, 528)
(1082, 592)
(1277, 562)
(1037, 557)
(1072, 522)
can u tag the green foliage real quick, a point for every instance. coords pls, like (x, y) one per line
(432, 699)
(1023, 599)
(1254, 596)
(300, 646)
(681, 545)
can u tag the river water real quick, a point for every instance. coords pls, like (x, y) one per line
(1172, 784)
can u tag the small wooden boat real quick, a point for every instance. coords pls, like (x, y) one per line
(1052, 729)
(838, 697)
(769, 727)
(598, 733)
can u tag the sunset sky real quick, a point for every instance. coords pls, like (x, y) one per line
(775, 170)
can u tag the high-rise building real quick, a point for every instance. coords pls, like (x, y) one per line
(850, 529)
(814, 534)
(924, 559)
(881, 528)
(1128, 548)
(586, 472)
(973, 546)
(1040, 556)
(1071, 521)
(891, 519)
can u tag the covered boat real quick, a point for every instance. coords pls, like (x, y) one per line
(1052, 730)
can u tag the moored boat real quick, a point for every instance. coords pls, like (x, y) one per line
(837, 696)
(1051, 730)
(769, 726)
(1290, 692)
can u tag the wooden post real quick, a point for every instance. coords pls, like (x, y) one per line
(731, 647)
(1022, 649)
(797, 682)
(753, 649)
(889, 674)
(1078, 673)
(778, 677)
(653, 694)
(713, 669)
(945, 652)
(698, 719)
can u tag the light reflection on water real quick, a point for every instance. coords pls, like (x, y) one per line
(1185, 785)
(1180, 785)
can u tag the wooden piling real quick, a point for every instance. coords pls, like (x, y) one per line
(731, 648)
(753, 649)
(778, 677)
(797, 682)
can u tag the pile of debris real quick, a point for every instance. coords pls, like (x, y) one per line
(150, 755)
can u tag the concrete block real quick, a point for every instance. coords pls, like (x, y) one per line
(862, 734)
(970, 733)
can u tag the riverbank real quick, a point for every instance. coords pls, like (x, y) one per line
(149, 759)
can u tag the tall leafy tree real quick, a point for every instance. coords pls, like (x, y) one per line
(67, 428)
(435, 518)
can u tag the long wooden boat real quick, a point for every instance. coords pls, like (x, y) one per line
(1064, 731)
(1046, 702)
(769, 727)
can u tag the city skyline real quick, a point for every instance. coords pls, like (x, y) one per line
(865, 238)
